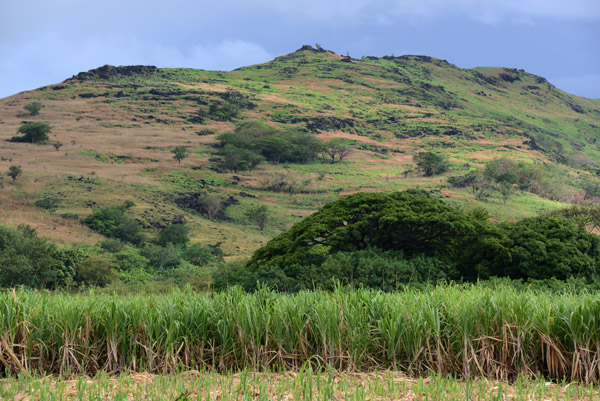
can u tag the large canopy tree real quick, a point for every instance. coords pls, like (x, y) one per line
(410, 221)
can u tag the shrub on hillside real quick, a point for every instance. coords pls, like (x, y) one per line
(26, 259)
(36, 132)
(113, 222)
(252, 142)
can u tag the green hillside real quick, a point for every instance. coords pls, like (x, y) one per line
(118, 127)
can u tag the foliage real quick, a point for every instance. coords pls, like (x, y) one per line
(244, 147)
(369, 268)
(35, 132)
(33, 108)
(497, 332)
(176, 234)
(180, 153)
(431, 163)
(96, 270)
(48, 203)
(410, 221)
(26, 259)
(544, 247)
(113, 222)
(112, 245)
(14, 172)
(584, 216)
(335, 150)
(162, 258)
(258, 215)
(239, 159)
(198, 255)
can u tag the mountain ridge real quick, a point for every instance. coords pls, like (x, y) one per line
(118, 126)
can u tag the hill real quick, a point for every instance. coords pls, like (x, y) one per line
(119, 125)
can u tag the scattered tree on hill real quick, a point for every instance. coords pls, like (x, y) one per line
(33, 108)
(250, 143)
(213, 204)
(36, 132)
(258, 215)
(430, 163)
(336, 150)
(14, 172)
(57, 145)
(113, 222)
(179, 153)
(239, 159)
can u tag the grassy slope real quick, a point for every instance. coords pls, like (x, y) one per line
(119, 125)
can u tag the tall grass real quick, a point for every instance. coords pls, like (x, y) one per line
(464, 331)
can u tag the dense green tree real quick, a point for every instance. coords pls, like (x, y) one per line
(36, 132)
(239, 159)
(252, 142)
(410, 221)
(96, 270)
(430, 163)
(180, 153)
(542, 247)
(33, 108)
(176, 234)
(162, 257)
(113, 222)
(14, 172)
(198, 255)
(258, 215)
(26, 259)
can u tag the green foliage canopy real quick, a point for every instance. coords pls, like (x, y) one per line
(431, 163)
(36, 132)
(410, 221)
(26, 259)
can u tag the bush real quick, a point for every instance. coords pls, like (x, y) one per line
(48, 203)
(198, 255)
(176, 234)
(26, 259)
(249, 143)
(96, 270)
(162, 258)
(113, 222)
(544, 248)
(36, 132)
(430, 163)
(370, 268)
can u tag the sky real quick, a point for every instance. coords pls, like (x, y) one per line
(44, 42)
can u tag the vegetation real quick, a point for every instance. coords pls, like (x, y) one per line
(461, 331)
(430, 163)
(113, 222)
(26, 259)
(14, 172)
(33, 108)
(180, 153)
(308, 384)
(35, 132)
(249, 143)
(386, 240)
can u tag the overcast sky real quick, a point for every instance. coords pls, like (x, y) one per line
(44, 42)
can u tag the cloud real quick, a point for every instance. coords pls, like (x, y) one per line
(487, 11)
